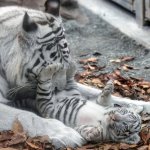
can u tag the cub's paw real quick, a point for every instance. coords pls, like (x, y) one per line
(132, 139)
(108, 89)
(47, 72)
(104, 98)
(91, 133)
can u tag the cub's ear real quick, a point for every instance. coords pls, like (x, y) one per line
(28, 24)
(52, 7)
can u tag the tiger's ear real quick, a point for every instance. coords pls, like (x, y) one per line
(28, 24)
(52, 7)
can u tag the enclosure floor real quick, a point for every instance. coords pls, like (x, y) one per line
(119, 18)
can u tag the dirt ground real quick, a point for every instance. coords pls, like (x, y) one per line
(100, 39)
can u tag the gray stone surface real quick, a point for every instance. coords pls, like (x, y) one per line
(99, 36)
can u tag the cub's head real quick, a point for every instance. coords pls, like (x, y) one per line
(124, 125)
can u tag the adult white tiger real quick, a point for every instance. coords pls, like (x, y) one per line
(31, 39)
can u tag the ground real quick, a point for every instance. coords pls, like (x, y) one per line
(115, 53)
(99, 36)
(101, 52)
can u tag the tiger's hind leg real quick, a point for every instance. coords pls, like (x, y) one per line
(92, 94)
(45, 98)
(91, 133)
(105, 97)
(60, 135)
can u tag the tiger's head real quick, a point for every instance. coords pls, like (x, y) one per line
(123, 125)
(38, 40)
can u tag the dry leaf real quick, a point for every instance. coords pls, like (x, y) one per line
(122, 59)
(32, 145)
(125, 146)
(116, 82)
(96, 81)
(85, 73)
(145, 147)
(148, 91)
(88, 60)
(145, 135)
(39, 143)
(115, 60)
(17, 127)
(127, 58)
(8, 148)
(17, 139)
(6, 135)
(89, 67)
(107, 147)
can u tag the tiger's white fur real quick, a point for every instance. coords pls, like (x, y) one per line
(17, 47)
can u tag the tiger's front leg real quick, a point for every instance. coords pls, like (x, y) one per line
(70, 73)
(45, 98)
(91, 133)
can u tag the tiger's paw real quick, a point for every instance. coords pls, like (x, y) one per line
(47, 72)
(60, 135)
(91, 133)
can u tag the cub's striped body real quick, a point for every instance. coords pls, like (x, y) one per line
(93, 121)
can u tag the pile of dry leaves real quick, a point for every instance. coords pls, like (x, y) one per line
(130, 87)
(17, 139)
(133, 88)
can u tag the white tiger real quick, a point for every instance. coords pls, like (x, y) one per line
(29, 41)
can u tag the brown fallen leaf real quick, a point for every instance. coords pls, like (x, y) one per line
(8, 148)
(126, 67)
(144, 84)
(89, 67)
(127, 58)
(85, 73)
(145, 147)
(96, 81)
(148, 91)
(116, 82)
(122, 59)
(125, 146)
(18, 138)
(17, 127)
(39, 143)
(68, 148)
(32, 145)
(107, 146)
(115, 60)
(6, 135)
(145, 135)
(88, 60)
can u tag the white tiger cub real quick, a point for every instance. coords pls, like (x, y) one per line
(96, 123)
(30, 40)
